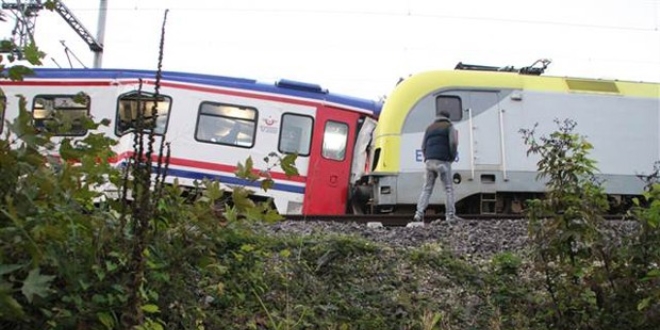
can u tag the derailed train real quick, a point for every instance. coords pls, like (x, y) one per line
(211, 123)
(358, 155)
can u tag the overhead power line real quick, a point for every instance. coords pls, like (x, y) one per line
(395, 14)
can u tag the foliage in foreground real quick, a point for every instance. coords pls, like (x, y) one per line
(592, 278)
(65, 263)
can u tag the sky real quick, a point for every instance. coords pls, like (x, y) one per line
(362, 47)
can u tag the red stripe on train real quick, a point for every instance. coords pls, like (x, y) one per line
(211, 166)
(215, 90)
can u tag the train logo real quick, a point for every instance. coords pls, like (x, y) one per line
(268, 126)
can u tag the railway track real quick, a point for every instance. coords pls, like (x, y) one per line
(399, 220)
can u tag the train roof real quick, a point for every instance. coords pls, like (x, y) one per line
(284, 87)
(411, 90)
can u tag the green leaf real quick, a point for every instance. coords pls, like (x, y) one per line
(99, 299)
(110, 266)
(247, 247)
(7, 46)
(272, 216)
(267, 184)
(153, 325)
(17, 72)
(33, 54)
(644, 304)
(150, 308)
(253, 213)
(6, 269)
(240, 197)
(10, 308)
(83, 285)
(50, 5)
(285, 253)
(288, 164)
(36, 284)
(231, 213)
(246, 171)
(106, 319)
(653, 273)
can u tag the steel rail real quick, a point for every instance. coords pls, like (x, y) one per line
(393, 220)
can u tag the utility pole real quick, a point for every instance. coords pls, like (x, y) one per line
(26, 13)
(100, 32)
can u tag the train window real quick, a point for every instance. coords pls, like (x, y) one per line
(61, 114)
(451, 104)
(132, 104)
(296, 134)
(334, 140)
(226, 124)
(3, 106)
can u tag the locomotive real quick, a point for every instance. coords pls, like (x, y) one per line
(489, 107)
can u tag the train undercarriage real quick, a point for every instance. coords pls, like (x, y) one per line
(515, 203)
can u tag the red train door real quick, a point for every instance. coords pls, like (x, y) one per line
(330, 161)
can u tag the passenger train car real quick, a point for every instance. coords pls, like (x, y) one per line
(489, 107)
(214, 122)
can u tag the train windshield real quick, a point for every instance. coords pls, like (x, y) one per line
(450, 104)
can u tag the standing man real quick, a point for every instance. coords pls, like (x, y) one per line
(439, 148)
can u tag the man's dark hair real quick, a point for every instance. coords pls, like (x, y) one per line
(445, 113)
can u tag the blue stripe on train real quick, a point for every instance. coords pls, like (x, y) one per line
(205, 79)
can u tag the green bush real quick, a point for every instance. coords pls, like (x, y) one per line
(593, 278)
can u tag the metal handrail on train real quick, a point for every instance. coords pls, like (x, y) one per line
(469, 111)
(505, 176)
